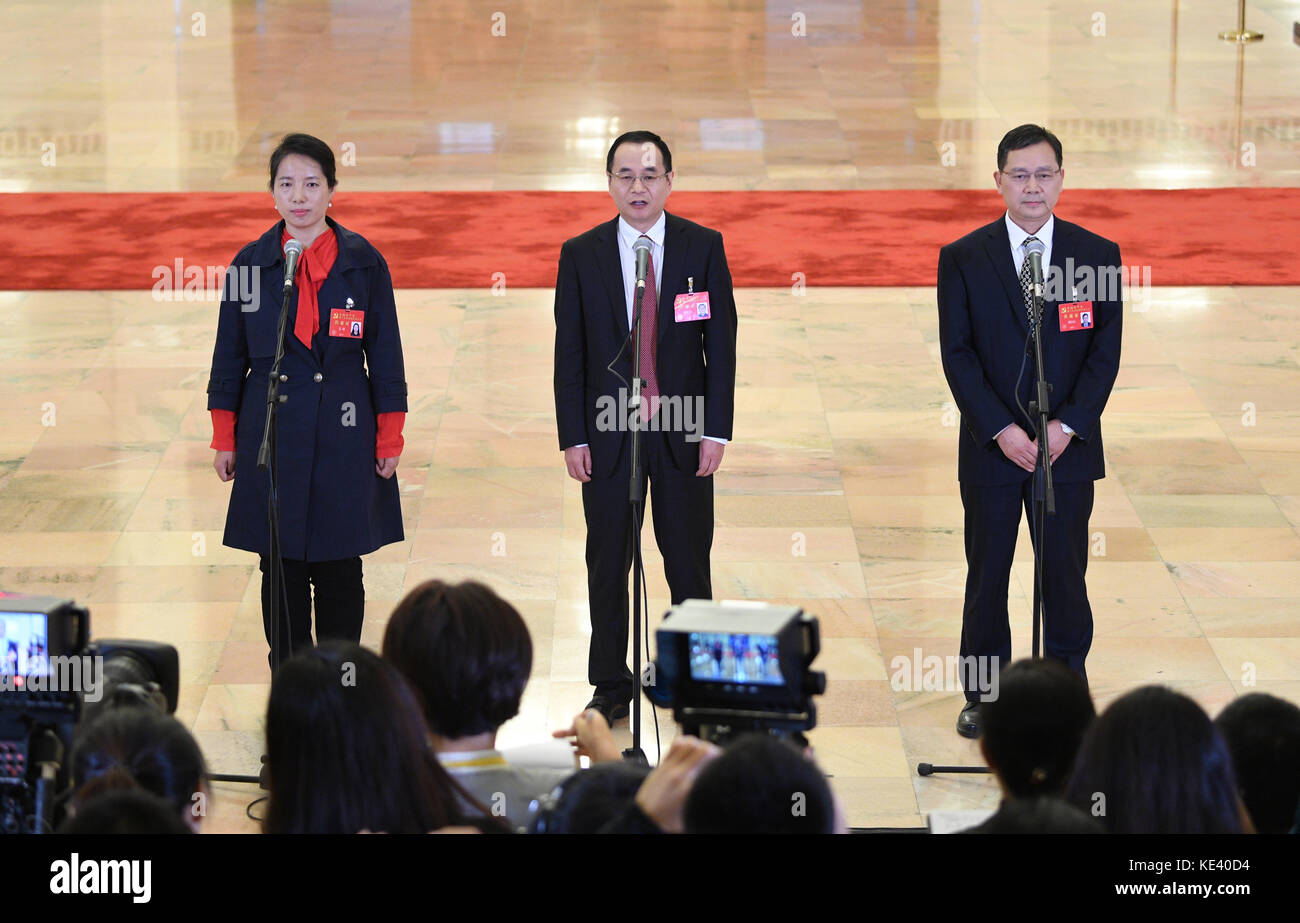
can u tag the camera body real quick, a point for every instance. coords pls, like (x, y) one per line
(733, 667)
(51, 679)
(43, 678)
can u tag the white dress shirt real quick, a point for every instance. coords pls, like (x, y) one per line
(1018, 237)
(1019, 254)
(627, 236)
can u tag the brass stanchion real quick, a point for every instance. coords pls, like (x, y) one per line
(1241, 34)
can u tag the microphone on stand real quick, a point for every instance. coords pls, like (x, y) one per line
(1035, 249)
(292, 251)
(641, 248)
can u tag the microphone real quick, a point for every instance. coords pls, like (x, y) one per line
(641, 247)
(1034, 253)
(292, 251)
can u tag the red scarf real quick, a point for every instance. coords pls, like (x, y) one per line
(313, 266)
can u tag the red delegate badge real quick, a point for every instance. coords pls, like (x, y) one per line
(344, 323)
(1076, 315)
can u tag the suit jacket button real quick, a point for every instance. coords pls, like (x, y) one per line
(318, 377)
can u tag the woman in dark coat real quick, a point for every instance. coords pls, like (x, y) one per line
(343, 405)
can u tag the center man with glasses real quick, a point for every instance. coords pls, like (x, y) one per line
(688, 364)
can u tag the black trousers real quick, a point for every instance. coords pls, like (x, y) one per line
(992, 521)
(340, 604)
(681, 508)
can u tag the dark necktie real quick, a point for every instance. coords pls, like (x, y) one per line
(1027, 284)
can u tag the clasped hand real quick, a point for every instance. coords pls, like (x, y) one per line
(1023, 451)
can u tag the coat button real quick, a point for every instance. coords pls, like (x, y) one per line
(284, 377)
(318, 377)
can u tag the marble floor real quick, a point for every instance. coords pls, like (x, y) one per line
(839, 492)
(838, 495)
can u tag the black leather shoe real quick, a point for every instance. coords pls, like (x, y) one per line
(968, 722)
(608, 707)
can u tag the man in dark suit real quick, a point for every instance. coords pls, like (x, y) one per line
(688, 361)
(987, 358)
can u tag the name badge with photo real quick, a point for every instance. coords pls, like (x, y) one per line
(691, 306)
(345, 323)
(1076, 315)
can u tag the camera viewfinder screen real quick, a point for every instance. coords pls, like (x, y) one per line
(24, 644)
(722, 657)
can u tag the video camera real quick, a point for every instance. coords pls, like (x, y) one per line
(732, 667)
(51, 678)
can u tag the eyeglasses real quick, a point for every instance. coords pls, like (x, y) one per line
(629, 179)
(1020, 177)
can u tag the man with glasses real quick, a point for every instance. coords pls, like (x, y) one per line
(688, 364)
(984, 295)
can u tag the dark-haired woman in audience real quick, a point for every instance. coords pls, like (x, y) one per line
(136, 747)
(1153, 762)
(1262, 733)
(1030, 734)
(467, 655)
(343, 393)
(347, 751)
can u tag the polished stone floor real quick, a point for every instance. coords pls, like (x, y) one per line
(838, 494)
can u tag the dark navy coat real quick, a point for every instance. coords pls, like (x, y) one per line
(982, 330)
(332, 503)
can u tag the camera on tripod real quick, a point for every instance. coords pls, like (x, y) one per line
(51, 679)
(734, 667)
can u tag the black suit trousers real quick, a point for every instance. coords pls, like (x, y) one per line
(992, 522)
(681, 507)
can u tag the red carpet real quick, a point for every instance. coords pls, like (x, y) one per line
(459, 239)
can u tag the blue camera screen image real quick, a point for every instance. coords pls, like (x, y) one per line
(24, 644)
(722, 657)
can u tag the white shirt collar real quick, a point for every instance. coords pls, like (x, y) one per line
(1019, 235)
(629, 234)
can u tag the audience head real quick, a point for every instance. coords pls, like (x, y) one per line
(1032, 730)
(1263, 735)
(588, 799)
(140, 747)
(347, 749)
(130, 811)
(465, 651)
(1154, 763)
(760, 784)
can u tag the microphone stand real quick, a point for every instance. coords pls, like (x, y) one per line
(1044, 497)
(268, 459)
(636, 497)
(1044, 492)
